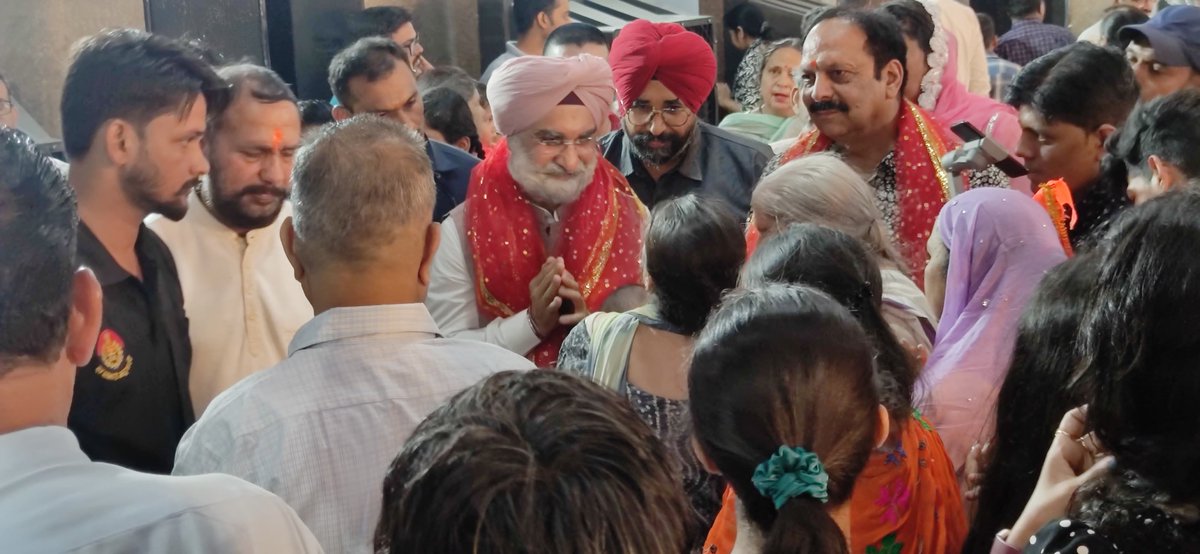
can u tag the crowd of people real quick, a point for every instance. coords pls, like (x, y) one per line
(554, 310)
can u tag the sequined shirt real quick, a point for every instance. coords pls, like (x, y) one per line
(884, 183)
(669, 419)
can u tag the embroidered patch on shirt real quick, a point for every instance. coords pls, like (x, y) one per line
(114, 362)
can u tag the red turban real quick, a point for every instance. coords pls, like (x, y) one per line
(682, 60)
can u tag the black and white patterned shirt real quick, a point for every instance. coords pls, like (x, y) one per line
(747, 83)
(884, 183)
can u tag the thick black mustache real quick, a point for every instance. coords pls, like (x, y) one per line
(826, 106)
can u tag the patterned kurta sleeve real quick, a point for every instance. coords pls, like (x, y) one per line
(575, 351)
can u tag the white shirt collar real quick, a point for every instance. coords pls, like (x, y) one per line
(31, 450)
(338, 324)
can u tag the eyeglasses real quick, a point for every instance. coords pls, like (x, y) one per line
(673, 117)
(5, 106)
(558, 145)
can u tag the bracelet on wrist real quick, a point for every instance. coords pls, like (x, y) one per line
(533, 326)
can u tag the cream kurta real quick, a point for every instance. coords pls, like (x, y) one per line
(960, 20)
(242, 300)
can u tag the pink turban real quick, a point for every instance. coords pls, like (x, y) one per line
(682, 60)
(525, 89)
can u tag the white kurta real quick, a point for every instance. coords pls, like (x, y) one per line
(242, 301)
(53, 499)
(451, 297)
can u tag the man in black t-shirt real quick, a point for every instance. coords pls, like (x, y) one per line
(134, 108)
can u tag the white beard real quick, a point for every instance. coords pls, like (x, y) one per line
(550, 185)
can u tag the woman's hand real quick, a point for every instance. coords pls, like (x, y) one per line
(918, 353)
(977, 462)
(1073, 459)
(725, 99)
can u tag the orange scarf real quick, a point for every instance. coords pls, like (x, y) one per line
(922, 185)
(601, 243)
(906, 500)
(1055, 196)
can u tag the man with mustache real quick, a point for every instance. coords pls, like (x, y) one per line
(133, 109)
(851, 79)
(663, 74)
(242, 302)
(549, 228)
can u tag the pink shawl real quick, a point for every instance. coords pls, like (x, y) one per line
(955, 104)
(1001, 243)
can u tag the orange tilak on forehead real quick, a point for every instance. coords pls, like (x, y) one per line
(277, 139)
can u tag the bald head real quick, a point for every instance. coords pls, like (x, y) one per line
(358, 185)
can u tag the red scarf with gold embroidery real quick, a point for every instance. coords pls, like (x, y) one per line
(601, 242)
(922, 185)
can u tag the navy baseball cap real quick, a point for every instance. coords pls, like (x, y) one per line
(1173, 33)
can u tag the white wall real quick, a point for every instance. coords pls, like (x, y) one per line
(685, 7)
(35, 42)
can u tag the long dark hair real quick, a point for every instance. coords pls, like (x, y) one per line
(750, 19)
(1035, 395)
(842, 267)
(694, 249)
(785, 365)
(1141, 351)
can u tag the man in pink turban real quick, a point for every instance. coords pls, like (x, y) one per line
(549, 228)
(663, 74)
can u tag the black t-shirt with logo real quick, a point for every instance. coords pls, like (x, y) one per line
(131, 403)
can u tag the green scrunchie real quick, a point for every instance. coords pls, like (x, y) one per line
(791, 472)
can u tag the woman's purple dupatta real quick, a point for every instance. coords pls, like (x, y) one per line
(1001, 245)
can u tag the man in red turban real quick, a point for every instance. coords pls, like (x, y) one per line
(549, 228)
(663, 74)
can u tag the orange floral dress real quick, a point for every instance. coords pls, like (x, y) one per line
(906, 500)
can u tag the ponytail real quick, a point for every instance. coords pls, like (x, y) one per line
(796, 483)
(749, 18)
(896, 374)
(802, 526)
(764, 32)
(784, 404)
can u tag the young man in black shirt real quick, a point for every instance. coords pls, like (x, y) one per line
(1065, 123)
(134, 108)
